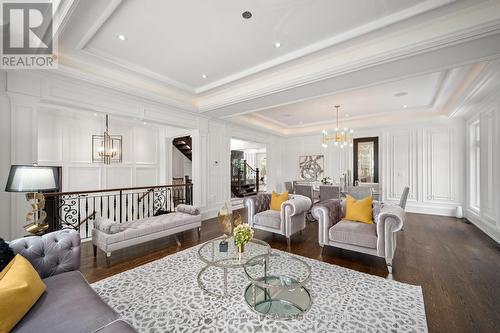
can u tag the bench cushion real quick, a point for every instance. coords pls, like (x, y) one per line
(268, 218)
(151, 225)
(354, 233)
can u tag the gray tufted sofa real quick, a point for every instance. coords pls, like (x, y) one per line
(68, 304)
(378, 239)
(288, 221)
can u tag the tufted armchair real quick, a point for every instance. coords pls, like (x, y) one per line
(288, 221)
(53, 253)
(378, 239)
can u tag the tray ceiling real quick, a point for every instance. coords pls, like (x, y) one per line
(197, 45)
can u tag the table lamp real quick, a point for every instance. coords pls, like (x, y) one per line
(33, 179)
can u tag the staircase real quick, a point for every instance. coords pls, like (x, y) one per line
(184, 144)
(244, 178)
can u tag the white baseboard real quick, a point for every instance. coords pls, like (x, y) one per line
(484, 226)
(428, 208)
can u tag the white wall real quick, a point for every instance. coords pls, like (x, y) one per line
(488, 217)
(428, 157)
(33, 131)
(64, 139)
(181, 165)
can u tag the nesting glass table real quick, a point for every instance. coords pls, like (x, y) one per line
(277, 285)
(210, 254)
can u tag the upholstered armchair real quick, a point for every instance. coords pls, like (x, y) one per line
(378, 239)
(288, 221)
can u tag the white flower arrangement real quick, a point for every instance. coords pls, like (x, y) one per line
(243, 233)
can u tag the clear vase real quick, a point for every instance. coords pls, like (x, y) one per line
(241, 248)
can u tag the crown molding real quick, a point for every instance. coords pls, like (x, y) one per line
(337, 39)
(168, 98)
(482, 20)
(350, 34)
(481, 92)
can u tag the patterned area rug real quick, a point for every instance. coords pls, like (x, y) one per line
(163, 296)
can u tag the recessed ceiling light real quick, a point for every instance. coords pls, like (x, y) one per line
(347, 115)
(405, 106)
(277, 45)
(402, 93)
(246, 15)
(122, 37)
(204, 76)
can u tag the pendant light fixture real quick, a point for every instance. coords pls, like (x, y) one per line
(106, 148)
(342, 137)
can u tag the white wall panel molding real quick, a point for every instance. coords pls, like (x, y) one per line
(408, 155)
(401, 164)
(439, 170)
(488, 217)
(5, 153)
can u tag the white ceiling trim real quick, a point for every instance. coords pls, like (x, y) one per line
(353, 33)
(99, 22)
(480, 92)
(350, 34)
(469, 77)
(480, 21)
(135, 68)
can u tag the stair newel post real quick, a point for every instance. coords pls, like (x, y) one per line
(245, 170)
(257, 179)
(238, 184)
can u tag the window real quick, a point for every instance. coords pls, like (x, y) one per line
(474, 165)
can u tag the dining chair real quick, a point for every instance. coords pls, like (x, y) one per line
(289, 187)
(404, 197)
(307, 191)
(359, 192)
(329, 192)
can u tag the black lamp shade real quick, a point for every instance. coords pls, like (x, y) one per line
(29, 178)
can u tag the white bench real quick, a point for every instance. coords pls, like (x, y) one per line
(144, 230)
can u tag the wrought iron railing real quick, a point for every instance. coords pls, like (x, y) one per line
(78, 210)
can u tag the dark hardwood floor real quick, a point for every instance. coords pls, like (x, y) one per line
(456, 264)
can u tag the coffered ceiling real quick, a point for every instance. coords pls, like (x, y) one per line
(291, 58)
(196, 45)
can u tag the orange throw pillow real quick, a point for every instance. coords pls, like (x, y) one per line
(278, 199)
(359, 210)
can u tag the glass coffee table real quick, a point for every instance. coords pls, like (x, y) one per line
(277, 287)
(210, 254)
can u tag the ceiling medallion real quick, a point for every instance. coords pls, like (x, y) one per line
(341, 137)
(106, 148)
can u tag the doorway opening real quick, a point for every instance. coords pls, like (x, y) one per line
(182, 157)
(248, 168)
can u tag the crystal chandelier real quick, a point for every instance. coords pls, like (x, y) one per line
(341, 138)
(106, 148)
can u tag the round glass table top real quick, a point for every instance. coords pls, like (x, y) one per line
(211, 254)
(277, 287)
(293, 272)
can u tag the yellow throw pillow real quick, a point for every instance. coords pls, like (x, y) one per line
(359, 210)
(20, 288)
(278, 199)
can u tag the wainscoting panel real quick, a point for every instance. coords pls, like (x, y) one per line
(401, 164)
(487, 186)
(50, 134)
(118, 176)
(145, 176)
(439, 165)
(146, 145)
(81, 178)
